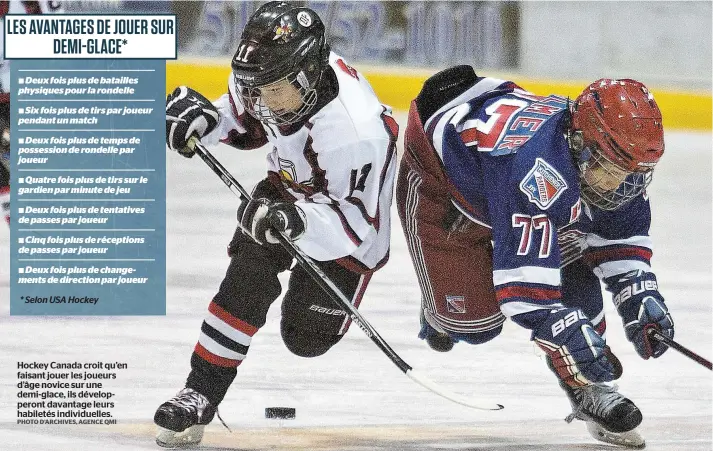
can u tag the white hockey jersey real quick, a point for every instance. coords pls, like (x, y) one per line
(19, 7)
(339, 166)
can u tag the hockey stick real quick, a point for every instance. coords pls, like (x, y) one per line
(333, 291)
(658, 336)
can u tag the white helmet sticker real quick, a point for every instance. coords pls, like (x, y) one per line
(304, 18)
(302, 80)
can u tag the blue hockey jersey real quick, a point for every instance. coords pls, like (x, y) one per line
(505, 153)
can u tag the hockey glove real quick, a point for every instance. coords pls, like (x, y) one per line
(579, 356)
(641, 307)
(188, 113)
(265, 220)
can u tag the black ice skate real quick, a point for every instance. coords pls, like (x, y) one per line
(437, 340)
(610, 416)
(181, 419)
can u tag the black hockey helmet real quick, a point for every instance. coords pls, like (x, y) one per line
(280, 42)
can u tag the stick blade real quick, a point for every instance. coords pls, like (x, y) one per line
(424, 381)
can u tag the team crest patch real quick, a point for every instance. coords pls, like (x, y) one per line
(288, 175)
(283, 31)
(543, 184)
(455, 304)
(287, 170)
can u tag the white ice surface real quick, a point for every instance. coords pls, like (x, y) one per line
(354, 387)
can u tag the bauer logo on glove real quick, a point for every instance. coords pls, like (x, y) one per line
(634, 289)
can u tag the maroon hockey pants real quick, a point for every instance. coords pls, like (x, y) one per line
(453, 263)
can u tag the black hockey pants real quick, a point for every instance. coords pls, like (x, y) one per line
(310, 325)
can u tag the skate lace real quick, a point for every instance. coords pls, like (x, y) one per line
(596, 399)
(193, 401)
(190, 400)
(223, 422)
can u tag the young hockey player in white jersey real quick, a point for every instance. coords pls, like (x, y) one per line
(328, 189)
(14, 7)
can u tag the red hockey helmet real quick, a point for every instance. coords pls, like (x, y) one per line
(619, 132)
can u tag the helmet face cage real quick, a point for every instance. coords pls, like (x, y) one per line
(252, 100)
(590, 185)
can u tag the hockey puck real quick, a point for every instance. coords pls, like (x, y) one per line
(280, 412)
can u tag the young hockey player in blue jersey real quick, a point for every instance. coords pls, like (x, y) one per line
(533, 201)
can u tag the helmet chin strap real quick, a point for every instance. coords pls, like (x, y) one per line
(575, 140)
(302, 80)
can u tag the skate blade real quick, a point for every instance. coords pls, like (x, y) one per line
(629, 439)
(192, 436)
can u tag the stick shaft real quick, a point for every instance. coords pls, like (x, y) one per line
(335, 293)
(655, 334)
(312, 269)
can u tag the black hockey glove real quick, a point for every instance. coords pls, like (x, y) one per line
(265, 219)
(188, 113)
(641, 307)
